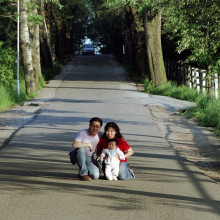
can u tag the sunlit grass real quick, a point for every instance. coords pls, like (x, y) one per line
(207, 109)
(172, 90)
(9, 96)
(207, 113)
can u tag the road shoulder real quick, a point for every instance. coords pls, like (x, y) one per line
(17, 117)
(196, 144)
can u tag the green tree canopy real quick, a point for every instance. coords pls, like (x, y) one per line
(195, 24)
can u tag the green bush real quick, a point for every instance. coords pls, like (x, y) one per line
(5, 99)
(8, 85)
(217, 130)
(7, 65)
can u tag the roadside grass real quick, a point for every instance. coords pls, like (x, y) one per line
(9, 96)
(207, 113)
(172, 90)
(207, 110)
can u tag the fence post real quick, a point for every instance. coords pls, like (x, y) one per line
(203, 80)
(182, 73)
(178, 73)
(189, 76)
(168, 68)
(165, 65)
(208, 85)
(174, 71)
(193, 77)
(216, 86)
(198, 85)
(185, 75)
(218, 81)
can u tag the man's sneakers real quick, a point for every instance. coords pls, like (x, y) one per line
(85, 177)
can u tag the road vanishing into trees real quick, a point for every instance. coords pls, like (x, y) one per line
(37, 180)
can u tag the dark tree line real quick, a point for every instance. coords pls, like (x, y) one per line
(130, 29)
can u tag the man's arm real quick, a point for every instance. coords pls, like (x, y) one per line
(77, 144)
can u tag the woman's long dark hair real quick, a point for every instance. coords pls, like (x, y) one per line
(115, 127)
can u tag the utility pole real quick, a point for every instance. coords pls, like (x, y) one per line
(18, 47)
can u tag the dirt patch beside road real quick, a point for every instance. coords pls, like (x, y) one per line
(197, 144)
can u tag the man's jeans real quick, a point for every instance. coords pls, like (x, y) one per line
(86, 166)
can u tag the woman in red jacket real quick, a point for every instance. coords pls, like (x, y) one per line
(112, 131)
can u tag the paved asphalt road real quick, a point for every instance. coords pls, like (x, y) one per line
(37, 180)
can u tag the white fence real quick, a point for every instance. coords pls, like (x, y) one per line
(193, 77)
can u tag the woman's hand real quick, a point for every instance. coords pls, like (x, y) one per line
(129, 153)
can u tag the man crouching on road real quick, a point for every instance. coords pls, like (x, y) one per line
(86, 142)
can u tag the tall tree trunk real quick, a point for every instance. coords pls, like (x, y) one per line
(69, 47)
(139, 43)
(152, 27)
(117, 40)
(130, 53)
(26, 50)
(141, 55)
(35, 46)
(60, 36)
(45, 43)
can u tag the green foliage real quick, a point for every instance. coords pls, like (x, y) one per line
(151, 6)
(78, 22)
(56, 2)
(7, 65)
(8, 22)
(196, 30)
(74, 16)
(139, 7)
(34, 19)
